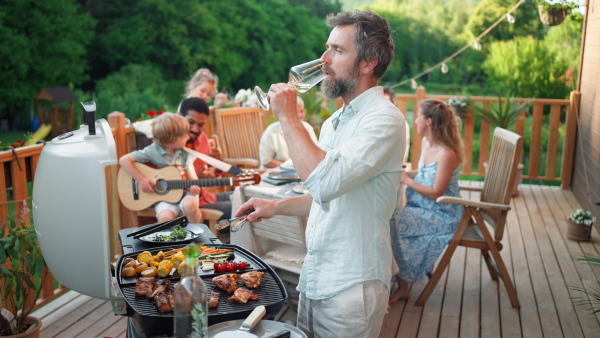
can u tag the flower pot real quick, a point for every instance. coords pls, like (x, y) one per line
(142, 141)
(520, 167)
(460, 111)
(32, 333)
(579, 232)
(552, 16)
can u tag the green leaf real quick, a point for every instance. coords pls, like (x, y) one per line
(5, 271)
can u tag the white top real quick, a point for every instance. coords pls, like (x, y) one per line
(273, 146)
(354, 196)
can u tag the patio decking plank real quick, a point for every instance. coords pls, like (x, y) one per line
(466, 302)
(528, 215)
(557, 262)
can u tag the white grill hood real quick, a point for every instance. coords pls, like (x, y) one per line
(70, 208)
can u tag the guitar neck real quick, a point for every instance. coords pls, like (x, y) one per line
(203, 183)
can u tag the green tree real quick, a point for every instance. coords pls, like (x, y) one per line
(43, 45)
(526, 67)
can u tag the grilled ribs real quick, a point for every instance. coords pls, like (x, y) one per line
(227, 282)
(144, 286)
(213, 301)
(242, 295)
(252, 279)
(160, 286)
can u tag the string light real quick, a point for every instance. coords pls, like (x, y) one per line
(510, 18)
(476, 45)
(444, 68)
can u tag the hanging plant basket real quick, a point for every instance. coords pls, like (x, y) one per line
(552, 16)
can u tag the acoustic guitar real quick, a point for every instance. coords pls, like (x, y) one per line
(170, 182)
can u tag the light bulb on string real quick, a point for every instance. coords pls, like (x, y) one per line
(444, 68)
(510, 18)
(413, 84)
(476, 45)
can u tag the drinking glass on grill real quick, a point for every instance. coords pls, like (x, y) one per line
(302, 78)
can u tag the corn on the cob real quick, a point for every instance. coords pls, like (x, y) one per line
(164, 268)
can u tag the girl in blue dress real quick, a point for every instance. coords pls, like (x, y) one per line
(421, 230)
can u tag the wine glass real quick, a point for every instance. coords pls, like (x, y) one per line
(302, 78)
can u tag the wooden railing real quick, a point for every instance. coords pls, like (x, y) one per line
(17, 168)
(543, 140)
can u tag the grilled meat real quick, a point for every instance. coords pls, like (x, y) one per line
(213, 301)
(162, 302)
(242, 295)
(252, 279)
(171, 298)
(144, 286)
(227, 282)
(160, 286)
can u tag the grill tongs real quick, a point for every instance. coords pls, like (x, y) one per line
(152, 228)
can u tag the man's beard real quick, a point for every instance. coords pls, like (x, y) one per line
(333, 88)
(193, 137)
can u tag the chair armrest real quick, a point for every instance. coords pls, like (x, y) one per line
(469, 188)
(243, 162)
(471, 203)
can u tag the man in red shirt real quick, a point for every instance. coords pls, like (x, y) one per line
(196, 111)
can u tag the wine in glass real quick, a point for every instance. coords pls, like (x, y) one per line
(302, 78)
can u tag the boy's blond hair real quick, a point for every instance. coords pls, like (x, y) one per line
(168, 127)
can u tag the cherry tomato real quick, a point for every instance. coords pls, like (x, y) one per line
(230, 267)
(241, 265)
(219, 267)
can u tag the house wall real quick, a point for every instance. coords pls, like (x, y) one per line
(586, 167)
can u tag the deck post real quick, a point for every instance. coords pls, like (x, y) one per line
(568, 157)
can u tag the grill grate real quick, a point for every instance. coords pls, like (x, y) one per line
(269, 293)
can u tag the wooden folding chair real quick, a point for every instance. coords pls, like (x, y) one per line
(239, 131)
(492, 208)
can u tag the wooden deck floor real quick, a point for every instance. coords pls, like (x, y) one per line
(466, 302)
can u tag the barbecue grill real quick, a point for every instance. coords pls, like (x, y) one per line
(71, 221)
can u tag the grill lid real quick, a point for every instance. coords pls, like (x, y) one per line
(70, 208)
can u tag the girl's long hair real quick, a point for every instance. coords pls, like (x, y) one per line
(445, 125)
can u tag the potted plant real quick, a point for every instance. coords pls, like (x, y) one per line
(552, 14)
(23, 263)
(580, 225)
(461, 105)
(503, 114)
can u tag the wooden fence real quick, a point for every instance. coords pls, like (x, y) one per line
(17, 168)
(543, 140)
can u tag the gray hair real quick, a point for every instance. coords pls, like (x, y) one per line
(373, 38)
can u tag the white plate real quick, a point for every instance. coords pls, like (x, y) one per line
(300, 189)
(263, 329)
(287, 165)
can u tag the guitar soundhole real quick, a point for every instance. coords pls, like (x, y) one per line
(161, 187)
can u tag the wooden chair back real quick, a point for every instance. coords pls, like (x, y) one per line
(498, 186)
(239, 131)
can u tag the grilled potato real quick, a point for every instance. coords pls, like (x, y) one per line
(159, 256)
(165, 267)
(141, 267)
(149, 272)
(144, 257)
(128, 272)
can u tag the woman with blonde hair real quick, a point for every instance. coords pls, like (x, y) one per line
(421, 230)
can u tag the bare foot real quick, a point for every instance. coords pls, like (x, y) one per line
(400, 293)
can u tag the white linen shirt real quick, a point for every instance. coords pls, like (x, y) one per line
(354, 196)
(273, 146)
